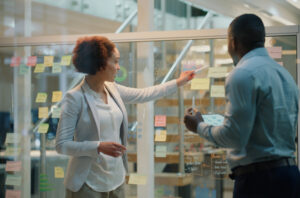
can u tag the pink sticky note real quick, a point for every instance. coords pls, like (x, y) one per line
(13, 166)
(160, 121)
(15, 61)
(13, 194)
(275, 52)
(31, 61)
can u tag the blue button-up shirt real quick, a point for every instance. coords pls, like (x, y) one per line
(261, 112)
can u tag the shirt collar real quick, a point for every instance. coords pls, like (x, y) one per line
(261, 51)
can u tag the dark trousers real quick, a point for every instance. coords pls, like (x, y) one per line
(280, 182)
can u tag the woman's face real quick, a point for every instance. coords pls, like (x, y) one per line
(112, 67)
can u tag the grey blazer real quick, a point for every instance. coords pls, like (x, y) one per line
(78, 129)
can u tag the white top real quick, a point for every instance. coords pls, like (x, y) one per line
(107, 173)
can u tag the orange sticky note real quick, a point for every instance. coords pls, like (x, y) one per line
(48, 61)
(56, 96)
(31, 61)
(43, 128)
(13, 194)
(43, 112)
(41, 97)
(13, 166)
(160, 121)
(15, 61)
(65, 60)
(59, 172)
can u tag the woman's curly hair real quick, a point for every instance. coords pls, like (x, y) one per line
(91, 53)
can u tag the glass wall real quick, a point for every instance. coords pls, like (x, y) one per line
(39, 76)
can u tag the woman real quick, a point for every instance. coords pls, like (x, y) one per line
(93, 125)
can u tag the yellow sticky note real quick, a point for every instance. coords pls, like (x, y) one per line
(217, 72)
(56, 68)
(39, 68)
(200, 84)
(160, 151)
(160, 135)
(137, 179)
(12, 151)
(59, 172)
(65, 60)
(56, 112)
(12, 138)
(43, 112)
(48, 61)
(56, 96)
(13, 180)
(41, 97)
(43, 128)
(217, 91)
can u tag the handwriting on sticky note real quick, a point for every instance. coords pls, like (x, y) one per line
(56, 112)
(43, 112)
(213, 119)
(56, 68)
(160, 135)
(160, 121)
(13, 180)
(137, 179)
(200, 84)
(217, 91)
(23, 69)
(41, 97)
(66, 60)
(15, 61)
(14, 166)
(217, 72)
(59, 172)
(13, 194)
(43, 128)
(160, 151)
(275, 52)
(48, 61)
(12, 138)
(12, 151)
(56, 96)
(39, 68)
(31, 61)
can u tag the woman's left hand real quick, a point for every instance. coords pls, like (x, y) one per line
(185, 77)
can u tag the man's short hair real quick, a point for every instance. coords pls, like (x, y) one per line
(248, 30)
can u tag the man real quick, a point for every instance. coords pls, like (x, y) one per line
(260, 119)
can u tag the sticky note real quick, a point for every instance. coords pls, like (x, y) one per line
(12, 151)
(56, 112)
(13, 194)
(43, 112)
(56, 96)
(39, 68)
(217, 72)
(43, 128)
(275, 52)
(15, 61)
(41, 97)
(13, 166)
(160, 121)
(217, 91)
(137, 179)
(59, 172)
(12, 138)
(13, 180)
(200, 84)
(48, 61)
(160, 135)
(66, 60)
(213, 119)
(23, 69)
(160, 151)
(56, 68)
(31, 61)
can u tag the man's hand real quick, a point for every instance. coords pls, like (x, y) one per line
(111, 148)
(191, 121)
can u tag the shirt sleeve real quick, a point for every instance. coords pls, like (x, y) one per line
(136, 95)
(240, 113)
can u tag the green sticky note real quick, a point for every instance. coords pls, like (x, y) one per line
(43, 128)
(66, 60)
(56, 112)
(56, 68)
(13, 180)
(23, 69)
